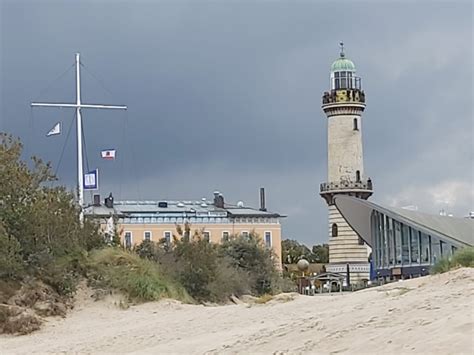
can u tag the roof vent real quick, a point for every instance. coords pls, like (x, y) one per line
(163, 204)
(96, 200)
(240, 204)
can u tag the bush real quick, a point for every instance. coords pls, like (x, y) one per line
(139, 279)
(228, 281)
(200, 267)
(461, 258)
(464, 257)
(197, 265)
(40, 232)
(248, 255)
(11, 263)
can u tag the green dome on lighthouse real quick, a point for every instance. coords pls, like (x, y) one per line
(342, 63)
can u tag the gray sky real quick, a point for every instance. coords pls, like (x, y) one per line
(228, 96)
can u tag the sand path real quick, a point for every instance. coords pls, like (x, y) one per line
(433, 315)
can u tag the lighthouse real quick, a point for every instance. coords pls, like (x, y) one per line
(343, 106)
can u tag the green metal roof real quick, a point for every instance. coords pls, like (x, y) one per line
(343, 64)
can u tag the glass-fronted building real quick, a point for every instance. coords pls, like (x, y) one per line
(404, 243)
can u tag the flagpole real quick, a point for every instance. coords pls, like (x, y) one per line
(79, 140)
(78, 106)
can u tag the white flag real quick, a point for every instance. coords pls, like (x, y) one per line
(108, 154)
(55, 130)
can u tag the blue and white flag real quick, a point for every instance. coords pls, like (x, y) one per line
(55, 130)
(91, 180)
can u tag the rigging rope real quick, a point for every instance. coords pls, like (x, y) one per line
(133, 159)
(122, 159)
(53, 82)
(64, 148)
(30, 139)
(101, 83)
(123, 142)
(84, 150)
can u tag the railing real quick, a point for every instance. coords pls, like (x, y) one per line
(346, 185)
(353, 95)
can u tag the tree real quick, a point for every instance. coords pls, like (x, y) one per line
(40, 225)
(249, 255)
(292, 251)
(321, 253)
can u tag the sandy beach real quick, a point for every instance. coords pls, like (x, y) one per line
(431, 315)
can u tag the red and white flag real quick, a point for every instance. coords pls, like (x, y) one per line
(108, 154)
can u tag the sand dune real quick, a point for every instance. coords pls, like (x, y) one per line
(432, 315)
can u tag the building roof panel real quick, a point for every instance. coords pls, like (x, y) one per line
(357, 213)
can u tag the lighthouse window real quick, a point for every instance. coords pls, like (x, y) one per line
(334, 230)
(343, 83)
(356, 125)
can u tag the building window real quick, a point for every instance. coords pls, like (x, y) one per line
(453, 249)
(425, 248)
(356, 125)
(435, 249)
(357, 176)
(384, 240)
(147, 236)
(405, 245)
(390, 240)
(128, 240)
(268, 239)
(442, 248)
(225, 236)
(334, 230)
(245, 234)
(398, 241)
(167, 237)
(206, 236)
(414, 246)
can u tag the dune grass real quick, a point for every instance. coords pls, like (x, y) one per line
(264, 299)
(139, 279)
(462, 258)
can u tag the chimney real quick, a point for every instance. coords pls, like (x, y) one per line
(96, 200)
(262, 199)
(218, 199)
(109, 201)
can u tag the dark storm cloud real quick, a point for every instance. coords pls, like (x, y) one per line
(227, 96)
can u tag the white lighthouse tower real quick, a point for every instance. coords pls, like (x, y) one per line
(343, 106)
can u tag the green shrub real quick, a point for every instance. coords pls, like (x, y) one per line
(228, 281)
(140, 279)
(442, 265)
(11, 263)
(40, 232)
(249, 255)
(197, 266)
(462, 258)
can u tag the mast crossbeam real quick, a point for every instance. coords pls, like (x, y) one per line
(78, 106)
(64, 105)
